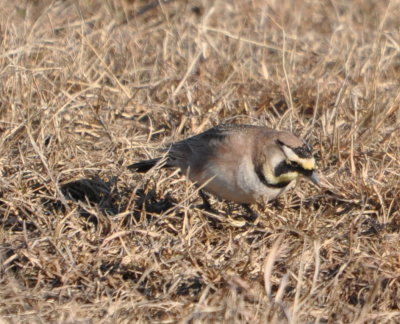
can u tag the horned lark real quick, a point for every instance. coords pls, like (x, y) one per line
(241, 163)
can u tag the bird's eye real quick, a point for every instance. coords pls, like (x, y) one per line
(303, 151)
(293, 163)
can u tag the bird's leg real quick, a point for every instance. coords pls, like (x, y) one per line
(251, 214)
(206, 203)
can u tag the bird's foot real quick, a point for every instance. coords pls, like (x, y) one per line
(250, 215)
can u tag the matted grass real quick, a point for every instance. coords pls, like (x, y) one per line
(88, 87)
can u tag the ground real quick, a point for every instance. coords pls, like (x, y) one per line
(88, 87)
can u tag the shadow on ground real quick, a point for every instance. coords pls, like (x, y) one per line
(103, 195)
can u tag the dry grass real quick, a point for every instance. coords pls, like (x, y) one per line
(88, 87)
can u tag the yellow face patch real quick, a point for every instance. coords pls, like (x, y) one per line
(286, 177)
(307, 164)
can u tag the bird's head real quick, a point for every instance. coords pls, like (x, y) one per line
(290, 158)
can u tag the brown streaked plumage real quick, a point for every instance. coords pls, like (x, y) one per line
(241, 163)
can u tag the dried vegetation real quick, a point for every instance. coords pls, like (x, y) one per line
(88, 87)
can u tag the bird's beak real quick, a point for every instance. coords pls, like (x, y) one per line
(314, 179)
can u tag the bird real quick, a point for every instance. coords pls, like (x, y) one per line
(244, 164)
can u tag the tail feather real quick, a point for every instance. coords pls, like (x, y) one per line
(143, 166)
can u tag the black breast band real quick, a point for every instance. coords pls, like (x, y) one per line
(265, 182)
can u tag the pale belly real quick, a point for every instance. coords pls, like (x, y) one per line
(239, 185)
